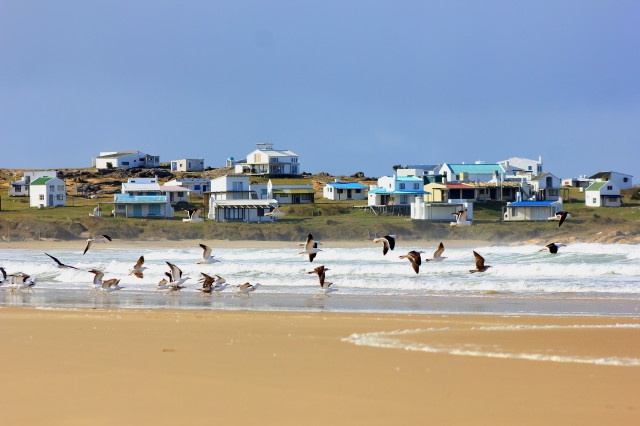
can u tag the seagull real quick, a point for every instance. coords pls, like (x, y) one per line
(560, 216)
(324, 285)
(110, 285)
(97, 280)
(207, 282)
(138, 269)
(4, 276)
(193, 213)
(207, 257)
(414, 258)
(275, 212)
(97, 239)
(437, 255)
(60, 264)
(552, 247)
(176, 278)
(461, 215)
(480, 266)
(21, 280)
(311, 247)
(163, 284)
(388, 243)
(247, 288)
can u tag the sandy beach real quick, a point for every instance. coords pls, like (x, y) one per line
(105, 367)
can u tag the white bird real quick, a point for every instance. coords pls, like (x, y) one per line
(176, 278)
(560, 216)
(388, 243)
(20, 281)
(275, 212)
(311, 247)
(138, 269)
(97, 280)
(437, 255)
(207, 257)
(60, 264)
(552, 247)
(414, 257)
(247, 288)
(97, 239)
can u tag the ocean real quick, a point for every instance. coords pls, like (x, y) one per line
(582, 279)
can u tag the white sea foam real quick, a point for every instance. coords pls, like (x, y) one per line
(397, 340)
(520, 270)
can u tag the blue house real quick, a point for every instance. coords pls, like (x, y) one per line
(339, 190)
(396, 191)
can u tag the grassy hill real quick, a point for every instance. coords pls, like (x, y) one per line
(328, 220)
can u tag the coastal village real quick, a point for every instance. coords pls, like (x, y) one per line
(257, 187)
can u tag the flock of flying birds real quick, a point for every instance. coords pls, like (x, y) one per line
(173, 279)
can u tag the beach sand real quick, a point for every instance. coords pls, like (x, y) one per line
(164, 367)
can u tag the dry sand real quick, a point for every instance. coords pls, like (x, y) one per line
(88, 367)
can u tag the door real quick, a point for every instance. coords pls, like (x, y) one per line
(50, 200)
(137, 210)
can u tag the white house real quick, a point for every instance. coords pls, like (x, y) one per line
(142, 197)
(265, 160)
(231, 187)
(125, 160)
(621, 180)
(344, 190)
(233, 200)
(21, 187)
(396, 191)
(602, 194)
(531, 210)
(194, 185)
(475, 172)
(47, 192)
(188, 165)
(545, 187)
(516, 166)
(291, 191)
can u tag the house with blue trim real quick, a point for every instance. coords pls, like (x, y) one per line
(396, 190)
(531, 210)
(474, 172)
(142, 197)
(339, 190)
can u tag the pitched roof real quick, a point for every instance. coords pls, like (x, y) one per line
(41, 181)
(596, 185)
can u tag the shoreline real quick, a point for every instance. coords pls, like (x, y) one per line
(317, 368)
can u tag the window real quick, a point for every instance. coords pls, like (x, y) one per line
(125, 163)
(609, 188)
(41, 197)
(625, 180)
(52, 188)
(196, 187)
(594, 200)
(233, 214)
(154, 210)
(401, 186)
(59, 197)
(416, 186)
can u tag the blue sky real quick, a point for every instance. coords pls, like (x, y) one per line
(348, 85)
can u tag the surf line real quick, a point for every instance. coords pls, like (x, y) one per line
(391, 340)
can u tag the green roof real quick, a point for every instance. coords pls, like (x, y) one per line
(41, 181)
(595, 186)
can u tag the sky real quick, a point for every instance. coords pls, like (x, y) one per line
(349, 86)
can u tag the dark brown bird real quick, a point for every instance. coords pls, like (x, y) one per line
(414, 258)
(388, 243)
(480, 266)
(552, 247)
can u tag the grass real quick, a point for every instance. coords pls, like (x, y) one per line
(327, 219)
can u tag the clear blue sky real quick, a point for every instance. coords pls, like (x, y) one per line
(348, 85)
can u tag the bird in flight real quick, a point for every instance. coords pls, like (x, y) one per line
(414, 257)
(480, 266)
(388, 243)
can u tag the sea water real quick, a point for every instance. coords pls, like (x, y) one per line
(581, 279)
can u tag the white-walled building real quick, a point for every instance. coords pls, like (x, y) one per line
(516, 166)
(396, 191)
(291, 191)
(188, 165)
(231, 187)
(602, 194)
(338, 190)
(475, 172)
(621, 180)
(142, 197)
(194, 185)
(125, 160)
(21, 187)
(234, 200)
(267, 161)
(48, 192)
(545, 187)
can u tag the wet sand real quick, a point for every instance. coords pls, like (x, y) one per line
(161, 367)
